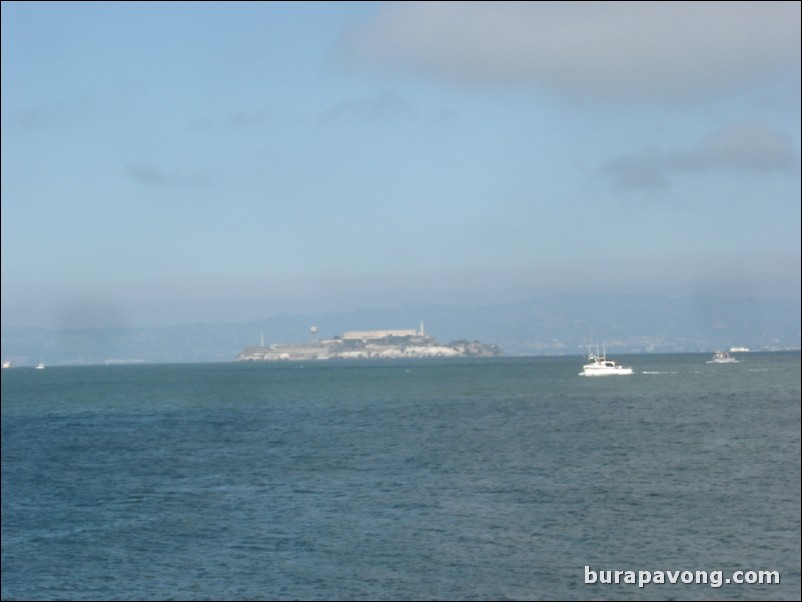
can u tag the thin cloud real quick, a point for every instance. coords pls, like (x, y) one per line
(34, 118)
(388, 106)
(646, 170)
(584, 47)
(248, 119)
(150, 176)
(746, 147)
(65, 112)
(240, 120)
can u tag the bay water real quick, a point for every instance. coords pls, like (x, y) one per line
(492, 479)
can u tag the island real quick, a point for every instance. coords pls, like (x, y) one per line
(368, 344)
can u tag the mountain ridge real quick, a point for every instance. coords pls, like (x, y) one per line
(547, 325)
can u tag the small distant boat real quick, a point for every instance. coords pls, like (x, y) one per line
(40, 366)
(6, 364)
(722, 357)
(599, 365)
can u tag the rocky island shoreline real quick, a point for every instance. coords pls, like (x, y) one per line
(368, 344)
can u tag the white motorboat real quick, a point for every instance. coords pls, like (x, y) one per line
(599, 365)
(722, 357)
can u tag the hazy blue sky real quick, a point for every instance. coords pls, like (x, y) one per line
(221, 162)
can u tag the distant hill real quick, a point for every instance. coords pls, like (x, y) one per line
(549, 325)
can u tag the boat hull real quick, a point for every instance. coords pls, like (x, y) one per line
(594, 371)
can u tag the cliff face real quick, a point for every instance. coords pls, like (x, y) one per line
(390, 347)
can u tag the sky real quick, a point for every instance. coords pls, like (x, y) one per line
(172, 163)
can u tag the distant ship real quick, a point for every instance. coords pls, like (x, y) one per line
(40, 366)
(6, 364)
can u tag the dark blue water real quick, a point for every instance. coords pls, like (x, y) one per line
(494, 479)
